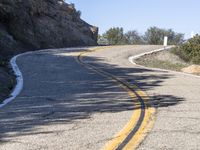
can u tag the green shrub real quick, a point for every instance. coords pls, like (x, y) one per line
(190, 51)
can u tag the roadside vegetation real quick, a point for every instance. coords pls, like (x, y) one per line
(190, 50)
(153, 36)
(163, 60)
(184, 57)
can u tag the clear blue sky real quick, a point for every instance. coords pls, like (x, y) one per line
(180, 15)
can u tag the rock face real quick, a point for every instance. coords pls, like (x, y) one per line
(39, 24)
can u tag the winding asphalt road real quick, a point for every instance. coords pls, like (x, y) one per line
(65, 104)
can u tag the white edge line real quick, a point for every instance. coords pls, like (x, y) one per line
(19, 77)
(133, 58)
(19, 80)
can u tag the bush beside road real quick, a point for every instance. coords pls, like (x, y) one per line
(189, 51)
(170, 61)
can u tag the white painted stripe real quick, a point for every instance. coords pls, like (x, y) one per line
(133, 58)
(19, 79)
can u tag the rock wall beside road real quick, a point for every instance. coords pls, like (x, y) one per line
(39, 24)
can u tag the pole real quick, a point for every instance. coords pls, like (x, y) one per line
(165, 41)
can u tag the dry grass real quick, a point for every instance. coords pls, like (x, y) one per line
(163, 60)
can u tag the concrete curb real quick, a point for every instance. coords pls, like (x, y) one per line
(133, 58)
(19, 79)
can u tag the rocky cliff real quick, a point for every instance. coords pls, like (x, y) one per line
(39, 24)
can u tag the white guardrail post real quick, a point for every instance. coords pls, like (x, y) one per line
(165, 41)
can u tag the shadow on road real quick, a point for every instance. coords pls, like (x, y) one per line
(61, 91)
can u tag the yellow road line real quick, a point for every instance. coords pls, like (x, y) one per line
(121, 136)
(134, 92)
(145, 127)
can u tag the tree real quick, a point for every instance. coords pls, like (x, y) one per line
(115, 36)
(156, 35)
(133, 37)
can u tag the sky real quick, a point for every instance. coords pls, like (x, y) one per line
(180, 15)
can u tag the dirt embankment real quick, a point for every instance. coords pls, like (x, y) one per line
(168, 60)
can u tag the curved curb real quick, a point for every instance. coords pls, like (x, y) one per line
(133, 58)
(19, 79)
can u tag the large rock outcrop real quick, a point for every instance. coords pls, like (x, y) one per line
(39, 24)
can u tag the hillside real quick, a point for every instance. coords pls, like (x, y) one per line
(36, 24)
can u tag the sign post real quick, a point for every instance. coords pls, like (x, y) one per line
(165, 41)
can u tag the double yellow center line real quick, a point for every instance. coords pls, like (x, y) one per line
(142, 118)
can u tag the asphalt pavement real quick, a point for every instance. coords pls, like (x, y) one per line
(64, 105)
